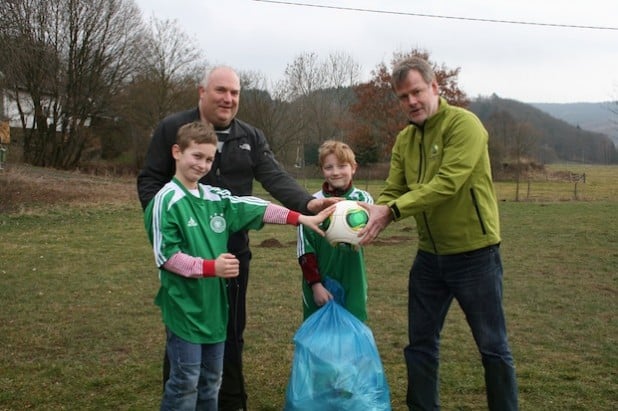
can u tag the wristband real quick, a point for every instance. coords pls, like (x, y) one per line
(208, 268)
(292, 218)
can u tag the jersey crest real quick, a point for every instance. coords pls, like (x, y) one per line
(217, 223)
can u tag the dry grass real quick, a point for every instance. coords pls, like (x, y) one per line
(27, 189)
(564, 182)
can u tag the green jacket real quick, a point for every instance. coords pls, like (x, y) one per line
(440, 174)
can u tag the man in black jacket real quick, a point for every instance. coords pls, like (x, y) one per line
(242, 155)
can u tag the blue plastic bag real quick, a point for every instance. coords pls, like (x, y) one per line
(336, 364)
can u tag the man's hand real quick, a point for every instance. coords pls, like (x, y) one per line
(380, 216)
(318, 204)
(227, 266)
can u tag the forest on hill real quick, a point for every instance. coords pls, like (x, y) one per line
(600, 117)
(539, 136)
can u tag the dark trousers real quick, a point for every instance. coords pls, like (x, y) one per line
(474, 279)
(232, 395)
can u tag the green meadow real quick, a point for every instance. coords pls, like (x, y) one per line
(79, 330)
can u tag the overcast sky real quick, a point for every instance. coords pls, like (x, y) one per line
(525, 62)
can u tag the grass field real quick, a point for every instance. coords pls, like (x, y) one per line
(78, 329)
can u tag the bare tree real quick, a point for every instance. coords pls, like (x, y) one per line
(68, 58)
(374, 118)
(317, 90)
(342, 74)
(304, 76)
(170, 56)
(522, 142)
(170, 66)
(500, 126)
(264, 105)
(341, 70)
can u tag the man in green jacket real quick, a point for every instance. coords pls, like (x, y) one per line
(440, 174)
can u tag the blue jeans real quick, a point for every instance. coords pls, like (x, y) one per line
(475, 280)
(195, 375)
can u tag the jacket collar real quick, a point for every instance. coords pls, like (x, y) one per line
(328, 192)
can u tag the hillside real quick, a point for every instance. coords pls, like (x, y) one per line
(597, 117)
(557, 140)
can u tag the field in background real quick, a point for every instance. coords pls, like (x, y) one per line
(78, 329)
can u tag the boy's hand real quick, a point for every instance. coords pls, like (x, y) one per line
(314, 221)
(320, 294)
(227, 266)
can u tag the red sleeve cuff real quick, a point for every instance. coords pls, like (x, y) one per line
(208, 268)
(309, 267)
(292, 218)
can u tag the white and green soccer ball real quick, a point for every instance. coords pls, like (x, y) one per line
(343, 225)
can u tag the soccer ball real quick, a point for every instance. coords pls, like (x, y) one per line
(343, 225)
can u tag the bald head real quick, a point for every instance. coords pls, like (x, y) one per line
(219, 94)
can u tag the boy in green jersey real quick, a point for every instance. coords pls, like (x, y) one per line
(317, 257)
(188, 224)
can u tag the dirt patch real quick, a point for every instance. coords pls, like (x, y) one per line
(271, 243)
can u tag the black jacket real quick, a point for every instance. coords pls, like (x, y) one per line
(245, 156)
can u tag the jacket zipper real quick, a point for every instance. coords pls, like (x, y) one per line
(478, 211)
(421, 160)
(421, 174)
(435, 249)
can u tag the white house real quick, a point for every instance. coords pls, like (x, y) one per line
(10, 111)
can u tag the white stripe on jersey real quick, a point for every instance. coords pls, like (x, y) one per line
(157, 238)
(157, 212)
(216, 193)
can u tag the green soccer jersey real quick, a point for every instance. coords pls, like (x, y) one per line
(342, 263)
(196, 309)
